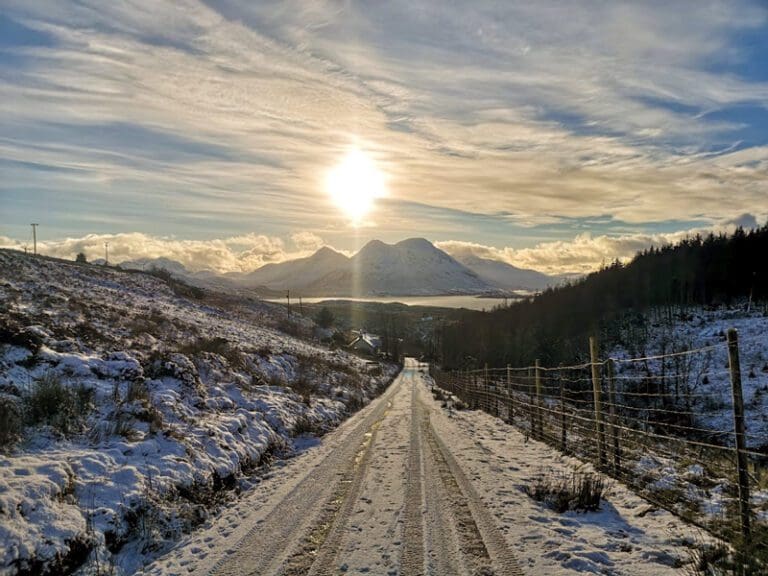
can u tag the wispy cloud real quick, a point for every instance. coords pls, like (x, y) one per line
(231, 112)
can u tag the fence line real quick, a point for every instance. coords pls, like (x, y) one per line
(644, 429)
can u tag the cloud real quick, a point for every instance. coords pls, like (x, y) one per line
(234, 254)
(231, 112)
(307, 241)
(585, 252)
(746, 221)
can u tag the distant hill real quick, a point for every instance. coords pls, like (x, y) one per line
(296, 274)
(413, 267)
(201, 278)
(665, 282)
(506, 276)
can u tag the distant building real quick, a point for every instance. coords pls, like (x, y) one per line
(366, 343)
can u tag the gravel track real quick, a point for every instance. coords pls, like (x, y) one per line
(382, 496)
(291, 535)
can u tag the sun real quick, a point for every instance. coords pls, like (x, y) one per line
(354, 184)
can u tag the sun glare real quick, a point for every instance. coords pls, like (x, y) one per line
(354, 184)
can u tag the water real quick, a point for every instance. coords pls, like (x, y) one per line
(470, 302)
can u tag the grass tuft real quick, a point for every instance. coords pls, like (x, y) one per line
(581, 491)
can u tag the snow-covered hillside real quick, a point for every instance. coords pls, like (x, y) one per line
(687, 351)
(505, 276)
(298, 273)
(127, 411)
(411, 267)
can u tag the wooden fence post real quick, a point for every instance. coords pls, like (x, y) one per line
(597, 394)
(741, 444)
(511, 408)
(539, 421)
(563, 423)
(486, 388)
(614, 418)
(531, 400)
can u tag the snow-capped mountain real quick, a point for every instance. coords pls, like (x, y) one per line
(505, 276)
(413, 267)
(410, 267)
(297, 273)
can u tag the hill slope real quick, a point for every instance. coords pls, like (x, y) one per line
(505, 276)
(297, 273)
(126, 410)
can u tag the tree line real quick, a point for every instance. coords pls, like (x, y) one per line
(554, 326)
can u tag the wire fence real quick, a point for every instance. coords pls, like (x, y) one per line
(671, 426)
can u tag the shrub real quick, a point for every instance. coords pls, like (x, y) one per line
(305, 425)
(216, 345)
(709, 560)
(581, 491)
(137, 390)
(290, 327)
(53, 403)
(11, 421)
(354, 403)
(155, 421)
(304, 387)
(178, 286)
(460, 405)
(325, 318)
(123, 425)
(16, 334)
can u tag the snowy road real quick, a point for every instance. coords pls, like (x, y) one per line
(405, 488)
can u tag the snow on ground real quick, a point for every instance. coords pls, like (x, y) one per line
(627, 536)
(695, 380)
(132, 411)
(704, 376)
(376, 515)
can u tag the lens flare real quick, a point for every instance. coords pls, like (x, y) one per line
(354, 185)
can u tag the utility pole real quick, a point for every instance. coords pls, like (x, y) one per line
(288, 296)
(34, 238)
(301, 308)
(106, 253)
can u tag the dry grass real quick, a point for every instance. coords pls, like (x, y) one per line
(581, 491)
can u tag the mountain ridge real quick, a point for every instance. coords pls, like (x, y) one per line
(410, 267)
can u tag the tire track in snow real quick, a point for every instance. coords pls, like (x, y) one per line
(413, 530)
(324, 560)
(287, 540)
(483, 548)
(441, 534)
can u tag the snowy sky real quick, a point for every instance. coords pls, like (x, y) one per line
(554, 135)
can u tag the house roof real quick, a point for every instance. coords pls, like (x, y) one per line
(368, 339)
